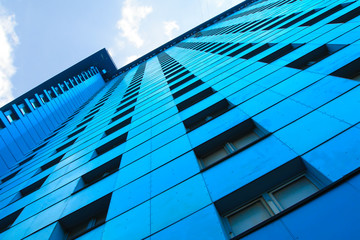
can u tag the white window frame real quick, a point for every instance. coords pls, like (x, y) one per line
(269, 201)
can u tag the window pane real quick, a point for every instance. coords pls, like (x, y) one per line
(248, 217)
(245, 140)
(214, 157)
(295, 192)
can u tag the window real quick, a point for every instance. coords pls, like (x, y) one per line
(172, 79)
(26, 159)
(229, 49)
(188, 78)
(195, 99)
(122, 114)
(270, 203)
(232, 141)
(7, 221)
(315, 56)
(350, 71)
(66, 145)
(76, 132)
(110, 145)
(10, 176)
(123, 106)
(280, 53)
(91, 113)
(238, 51)
(187, 88)
(51, 163)
(298, 19)
(347, 16)
(29, 189)
(323, 16)
(39, 147)
(256, 51)
(84, 122)
(85, 219)
(129, 97)
(117, 127)
(98, 173)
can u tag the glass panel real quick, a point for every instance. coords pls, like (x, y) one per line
(295, 192)
(245, 140)
(214, 157)
(248, 217)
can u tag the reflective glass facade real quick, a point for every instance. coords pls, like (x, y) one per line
(246, 127)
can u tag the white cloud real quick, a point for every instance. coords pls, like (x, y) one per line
(8, 40)
(132, 15)
(131, 58)
(170, 27)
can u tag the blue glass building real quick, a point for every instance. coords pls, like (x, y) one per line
(245, 127)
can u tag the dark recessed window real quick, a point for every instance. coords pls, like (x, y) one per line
(39, 147)
(188, 78)
(195, 99)
(129, 97)
(231, 141)
(10, 176)
(315, 56)
(347, 16)
(66, 145)
(84, 122)
(51, 163)
(26, 160)
(229, 49)
(281, 21)
(256, 51)
(76, 132)
(123, 106)
(91, 114)
(118, 127)
(170, 80)
(6, 222)
(85, 219)
(350, 71)
(270, 202)
(29, 189)
(187, 88)
(98, 173)
(298, 19)
(111, 145)
(323, 16)
(123, 114)
(206, 115)
(279, 53)
(240, 50)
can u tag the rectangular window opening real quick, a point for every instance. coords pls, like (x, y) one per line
(111, 145)
(315, 56)
(206, 115)
(267, 196)
(118, 127)
(350, 71)
(230, 142)
(85, 219)
(6, 222)
(195, 99)
(66, 145)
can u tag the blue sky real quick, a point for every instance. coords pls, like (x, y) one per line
(40, 38)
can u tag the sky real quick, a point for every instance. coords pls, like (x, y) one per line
(41, 38)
